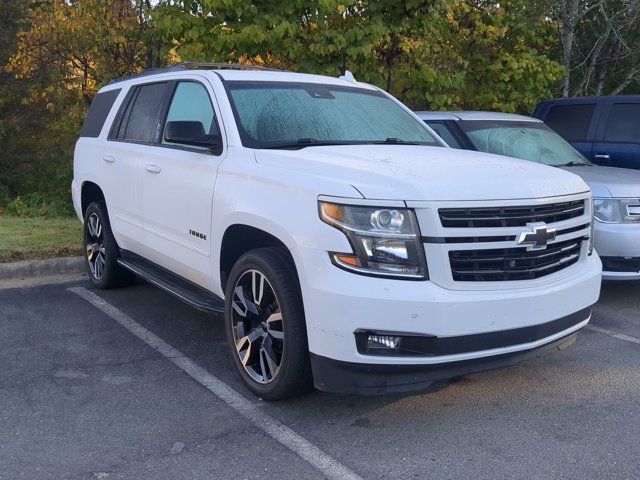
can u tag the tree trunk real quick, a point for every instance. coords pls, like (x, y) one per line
(595, 56)
(602, 77)
(568, 35)
(635, 71)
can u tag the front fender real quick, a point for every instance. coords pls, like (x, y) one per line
(276, 201)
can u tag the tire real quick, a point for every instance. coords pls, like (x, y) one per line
(265, 325)
(102, 251)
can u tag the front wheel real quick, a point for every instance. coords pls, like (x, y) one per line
(266, 330)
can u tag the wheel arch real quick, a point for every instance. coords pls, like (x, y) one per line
(90, 192)
(240, 238)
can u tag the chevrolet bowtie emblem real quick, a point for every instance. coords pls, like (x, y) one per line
(537, 237)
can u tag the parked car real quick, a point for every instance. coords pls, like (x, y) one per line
(344, 245)
(616, 191)
(605, 130)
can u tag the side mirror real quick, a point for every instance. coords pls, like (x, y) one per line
(189, 133)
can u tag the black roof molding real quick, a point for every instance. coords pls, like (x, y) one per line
(193, 66)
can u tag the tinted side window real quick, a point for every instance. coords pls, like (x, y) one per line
(98, 112)
(142, 124)
(571, 121)
(623, 124)
(191, 103)
(444, 133)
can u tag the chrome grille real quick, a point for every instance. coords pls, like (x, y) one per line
(519, 216)
(504, 264)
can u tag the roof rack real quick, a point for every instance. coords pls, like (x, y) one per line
(219, 66)
(193, 66)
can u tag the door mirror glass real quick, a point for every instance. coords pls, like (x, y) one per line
(187, 132)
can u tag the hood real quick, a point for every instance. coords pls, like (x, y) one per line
(412, 172)
(609, 181)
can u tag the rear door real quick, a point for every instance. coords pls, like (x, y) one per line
(133, 130)
(618, 137)
(178, 181)
(575, 123)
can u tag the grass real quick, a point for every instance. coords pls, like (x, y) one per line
(37, 238)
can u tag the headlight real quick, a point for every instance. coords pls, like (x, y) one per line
(591, 226)
(617, 210)
(385, 241)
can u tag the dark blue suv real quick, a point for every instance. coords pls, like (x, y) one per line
(604, 129)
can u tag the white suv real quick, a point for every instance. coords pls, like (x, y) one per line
(347, 247)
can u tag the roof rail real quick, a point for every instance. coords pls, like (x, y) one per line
(219, 66)
(193, 66)
(148, 71)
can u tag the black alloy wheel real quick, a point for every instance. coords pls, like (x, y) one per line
(266, 326)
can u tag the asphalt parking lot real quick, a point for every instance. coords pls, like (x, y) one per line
(84, 395)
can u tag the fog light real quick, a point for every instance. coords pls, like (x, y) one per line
(383, 341)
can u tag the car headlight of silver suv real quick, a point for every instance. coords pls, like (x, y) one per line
(385, 241)
(592, 226)
(617, 210)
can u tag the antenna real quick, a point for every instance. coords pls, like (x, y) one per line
(348, 76)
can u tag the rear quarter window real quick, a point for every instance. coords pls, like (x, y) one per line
(623, 124)
(571, 121)
(98, 112)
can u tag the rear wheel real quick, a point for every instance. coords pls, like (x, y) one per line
(265, 323)
(102, 251)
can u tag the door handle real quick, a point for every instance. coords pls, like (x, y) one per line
(601, 156)
(151, 168)
(109, 158)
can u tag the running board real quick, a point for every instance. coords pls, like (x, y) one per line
(187, 291)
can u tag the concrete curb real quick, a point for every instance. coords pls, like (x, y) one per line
(41, 268)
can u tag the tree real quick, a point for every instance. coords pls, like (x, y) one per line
(432, 54)
(64, 52)
(600, 45)
(10, 91)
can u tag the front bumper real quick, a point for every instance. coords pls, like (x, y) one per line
(339, 303)
(372, 379)
(618, 244)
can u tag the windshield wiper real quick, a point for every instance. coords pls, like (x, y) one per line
(314, 142)
(304, 142)
(395, 141)
(575, 164)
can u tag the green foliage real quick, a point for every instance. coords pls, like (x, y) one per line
(39, 205)
(431, 54)
(5, 196)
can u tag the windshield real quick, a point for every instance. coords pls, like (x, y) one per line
(295, 115)
(525, 140)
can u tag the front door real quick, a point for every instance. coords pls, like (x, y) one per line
(178, 184)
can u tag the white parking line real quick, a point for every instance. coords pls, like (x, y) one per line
(619, 336)
(327, 465)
